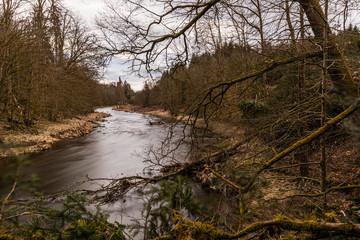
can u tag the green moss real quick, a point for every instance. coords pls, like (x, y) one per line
(286, 223)
(330, 217)
(168, 237)
(311, 226)
(185, 229)
(282, 219)
(40, 235)
(4, 235)
(91, 229)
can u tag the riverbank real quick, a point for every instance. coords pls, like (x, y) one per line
(44, 134)
(153, 111)
(233, 133)
(282, 186)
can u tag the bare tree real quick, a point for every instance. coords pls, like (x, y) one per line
(167, 32)
(43, 49)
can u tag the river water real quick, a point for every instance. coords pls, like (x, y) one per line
(115, 149)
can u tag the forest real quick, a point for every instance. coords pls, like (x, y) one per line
(50, 65)
(267, 94)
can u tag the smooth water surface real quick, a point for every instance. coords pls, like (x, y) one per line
(114, 149)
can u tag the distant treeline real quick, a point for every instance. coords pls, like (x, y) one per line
(49, 64)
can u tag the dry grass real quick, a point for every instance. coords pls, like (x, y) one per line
(44, 134)
(271, 194)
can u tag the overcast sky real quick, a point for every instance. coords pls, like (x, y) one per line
(87, 10)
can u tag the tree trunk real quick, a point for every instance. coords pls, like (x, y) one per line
(337, 68)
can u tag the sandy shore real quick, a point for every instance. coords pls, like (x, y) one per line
(44, 134)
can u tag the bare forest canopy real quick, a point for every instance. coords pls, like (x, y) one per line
(50, 64)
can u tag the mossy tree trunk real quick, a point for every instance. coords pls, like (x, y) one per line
(337, 68)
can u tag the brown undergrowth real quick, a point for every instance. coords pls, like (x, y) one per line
(277, 190)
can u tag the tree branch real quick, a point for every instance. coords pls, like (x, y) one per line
(303, 142)
(197, 230)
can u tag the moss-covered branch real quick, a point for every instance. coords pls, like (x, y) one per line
(185, 229)
(303, 142)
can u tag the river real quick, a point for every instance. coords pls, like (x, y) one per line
(114, 149)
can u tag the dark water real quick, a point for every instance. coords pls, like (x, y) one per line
(115, 149)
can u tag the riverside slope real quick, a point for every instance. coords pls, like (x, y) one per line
(44, 134)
